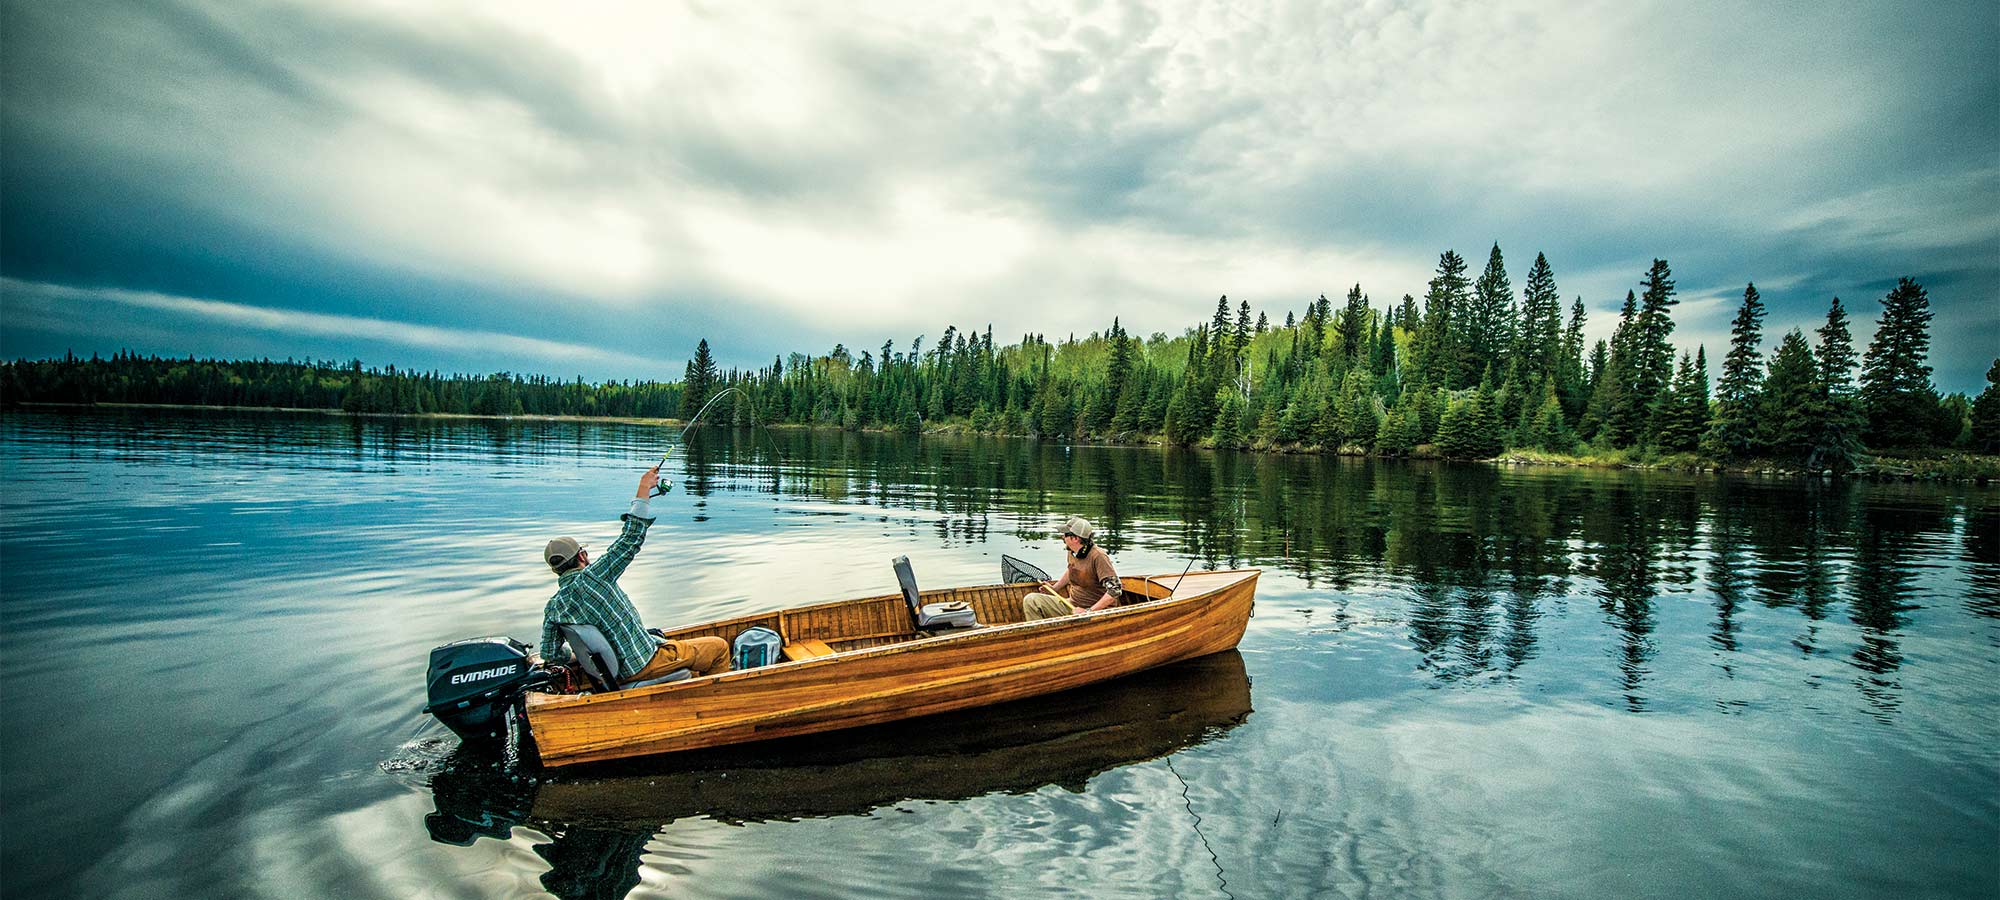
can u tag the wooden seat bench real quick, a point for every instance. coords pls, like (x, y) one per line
(811, 649)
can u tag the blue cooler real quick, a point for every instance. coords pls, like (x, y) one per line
(757, 646)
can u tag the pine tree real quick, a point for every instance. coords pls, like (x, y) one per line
(1986, 414)
(1348, 331)
(1836, 443)
(1469, 429)
(1434, 352)
(1732, 432)
(1896, 387)
(699, 382)
(1682, 414)
(1398, 434)
(1228, 431)
(1619, 417)
(1539, 343)
(907, 420)
(1058, 412)
(1356, 409)
(1489, 323)
(1263, 322)
(1788, 407)
(1572, 378)
(1652, 352)
(1547, 429)
(1242, 335)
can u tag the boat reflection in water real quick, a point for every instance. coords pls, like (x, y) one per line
(601, 816)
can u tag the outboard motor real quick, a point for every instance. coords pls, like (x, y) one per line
(473, 682)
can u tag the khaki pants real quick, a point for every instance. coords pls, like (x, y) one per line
(1041, 605)
(704, 655)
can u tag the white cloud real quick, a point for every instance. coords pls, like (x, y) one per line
(885, 169)
(83, 309)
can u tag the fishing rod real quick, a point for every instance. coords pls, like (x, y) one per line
(663, 486)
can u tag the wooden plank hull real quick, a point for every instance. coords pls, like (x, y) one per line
(1207, 612)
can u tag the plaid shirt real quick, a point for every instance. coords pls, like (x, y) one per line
(591, 596)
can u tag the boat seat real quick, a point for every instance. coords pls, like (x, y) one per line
(810, 649)
(932, 617)
(594, 655)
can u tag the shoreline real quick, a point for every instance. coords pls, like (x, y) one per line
(1949, 466)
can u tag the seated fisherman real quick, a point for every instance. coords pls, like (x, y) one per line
(1092, 583)
(587, 593)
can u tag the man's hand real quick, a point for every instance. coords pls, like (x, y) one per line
(648, 480)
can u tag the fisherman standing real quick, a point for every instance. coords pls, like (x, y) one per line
(1087, 573)
(587, 593)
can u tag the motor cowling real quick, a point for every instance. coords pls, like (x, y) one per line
(472, 682)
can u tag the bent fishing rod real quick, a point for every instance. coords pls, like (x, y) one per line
(663, 486)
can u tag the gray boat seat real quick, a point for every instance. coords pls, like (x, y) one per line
(594, 655)
(931, 617)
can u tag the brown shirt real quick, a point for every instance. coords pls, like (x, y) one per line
(1086, 577)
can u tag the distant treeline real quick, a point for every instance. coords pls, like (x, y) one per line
(1468, 372)
(129, 378)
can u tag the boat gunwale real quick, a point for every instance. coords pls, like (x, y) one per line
(538, 701)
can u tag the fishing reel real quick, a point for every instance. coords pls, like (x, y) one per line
(662, 487)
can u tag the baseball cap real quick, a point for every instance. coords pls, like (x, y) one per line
(561, 551)
(1079, 526)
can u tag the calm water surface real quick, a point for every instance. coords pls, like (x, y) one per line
(1460, 681)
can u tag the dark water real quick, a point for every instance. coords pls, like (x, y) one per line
(1460, 682)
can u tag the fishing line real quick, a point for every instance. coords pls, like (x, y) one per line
(663, 487)
(1199, 829)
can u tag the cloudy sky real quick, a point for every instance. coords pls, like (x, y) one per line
(587, 188)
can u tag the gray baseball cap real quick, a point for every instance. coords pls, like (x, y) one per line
(1079, 526)
(560, 551)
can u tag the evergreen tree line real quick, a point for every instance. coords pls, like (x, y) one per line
(1470, 371)
(310, 384)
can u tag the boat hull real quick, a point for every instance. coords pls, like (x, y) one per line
(1206, 613)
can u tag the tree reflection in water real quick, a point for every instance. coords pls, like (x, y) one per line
(600, 818)
(1478, 555)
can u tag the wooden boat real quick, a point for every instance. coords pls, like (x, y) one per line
(1063, 739)
(863, 662)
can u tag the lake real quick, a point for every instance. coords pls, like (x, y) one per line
(1460, 681)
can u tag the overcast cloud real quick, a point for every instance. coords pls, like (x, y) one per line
(589, 188)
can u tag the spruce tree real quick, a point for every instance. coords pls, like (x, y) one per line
(1789, 406)
(1836, 444)
(1572, 377)
(1228, 431)
(1349, 330)
(1618, 415)
(1489, 323)
(1678, 424)
(1986, 414)
(1549, 430)
(1539, 342)
(1896, 390)
(1435, 352)
(1652, 352)
(1356, 409)
(1263, 322)
(1398, 433)
(1732, 433)
(699, 381)
(1469, 429)
(907, 420)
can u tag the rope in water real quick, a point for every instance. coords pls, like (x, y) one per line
(1219, 876)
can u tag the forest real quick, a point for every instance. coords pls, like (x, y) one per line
(1469, 371)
